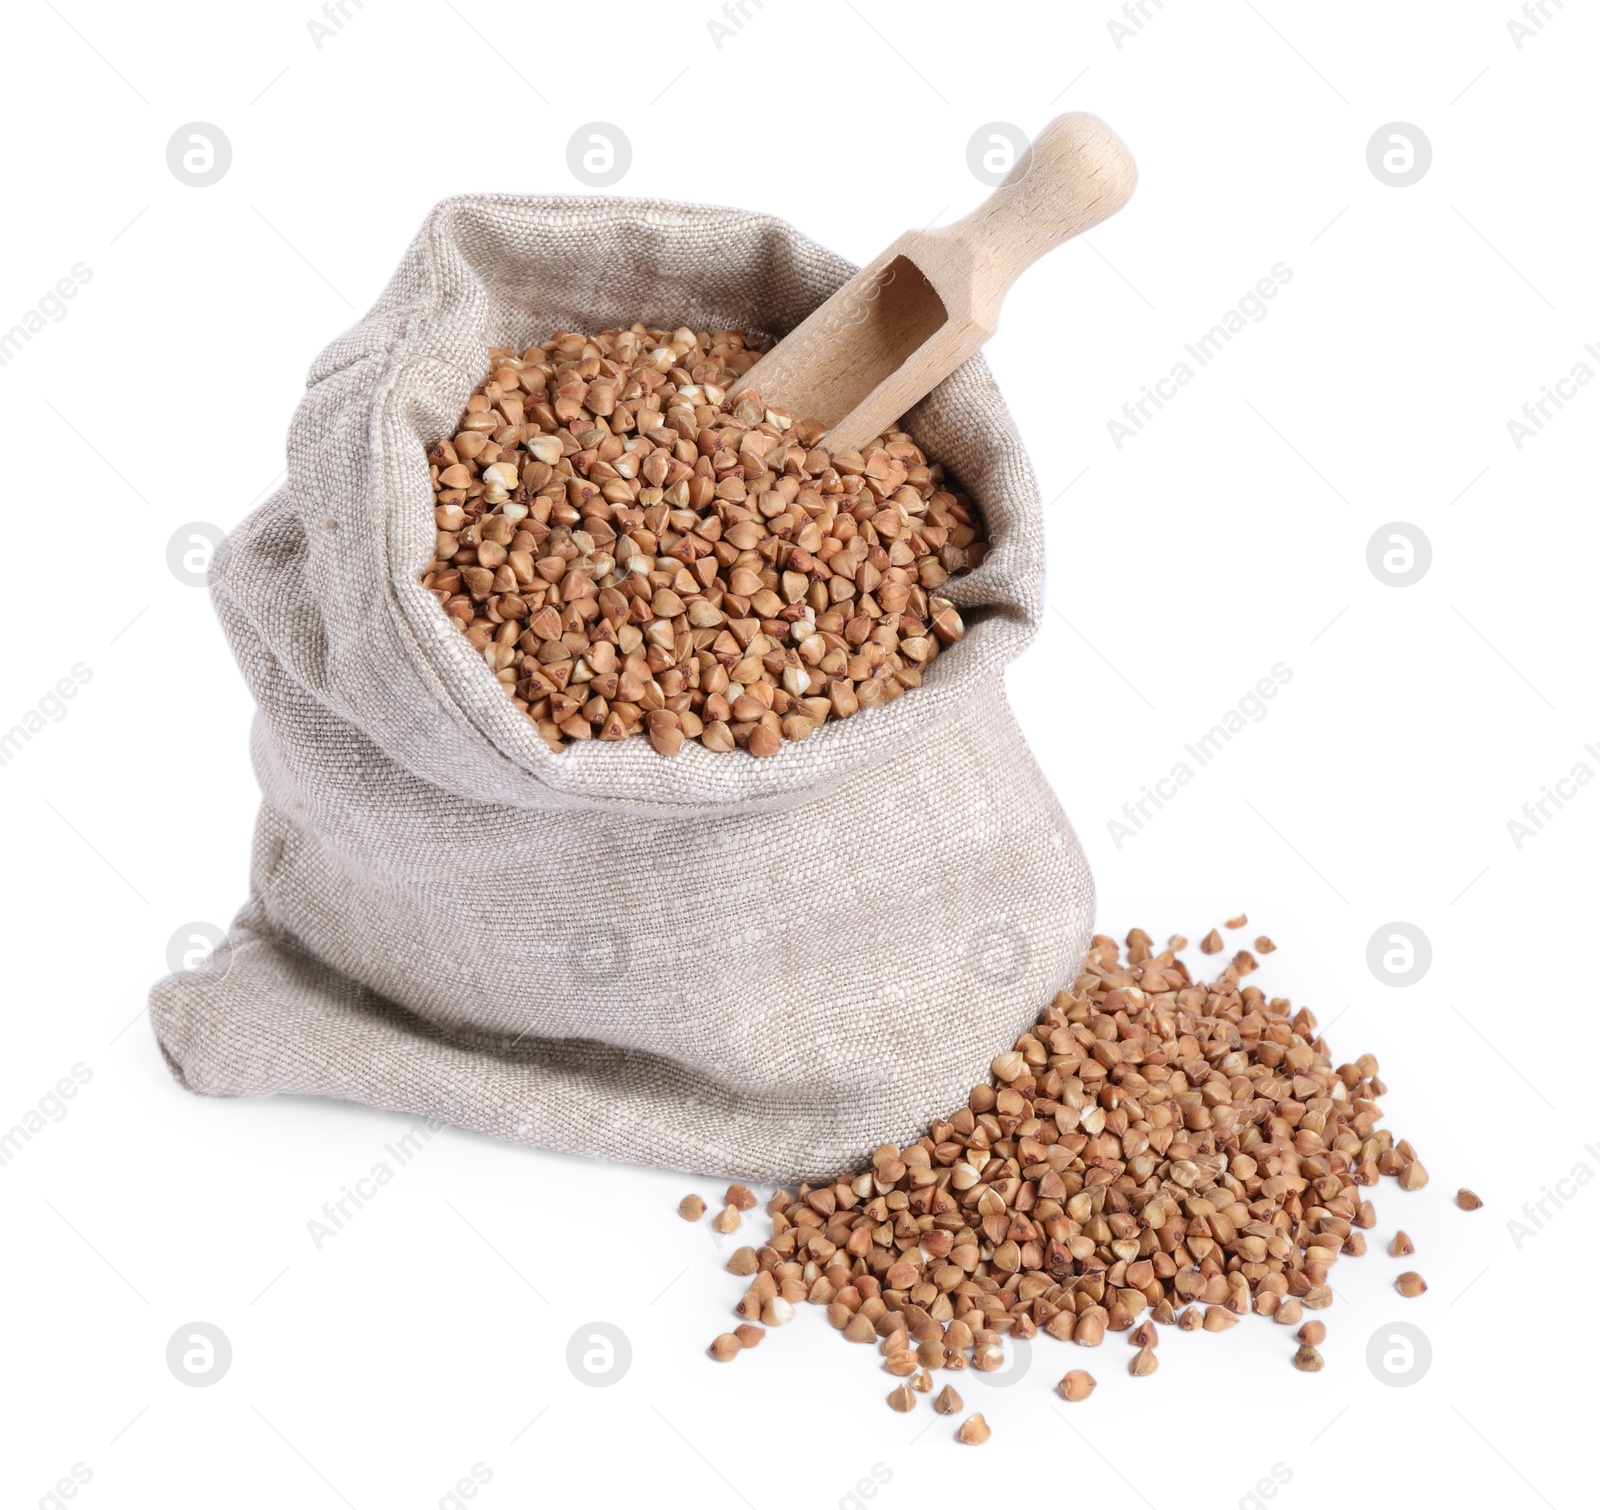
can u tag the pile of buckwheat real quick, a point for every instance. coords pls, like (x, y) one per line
(1152, 1152)
(636, 546)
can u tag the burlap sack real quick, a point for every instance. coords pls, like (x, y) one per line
(751, 968)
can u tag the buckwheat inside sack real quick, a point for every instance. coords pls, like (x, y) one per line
(637, 546)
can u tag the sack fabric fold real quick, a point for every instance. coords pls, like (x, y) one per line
(756, 969)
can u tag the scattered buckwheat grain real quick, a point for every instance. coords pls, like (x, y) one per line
(1151, 1151)
(1077, 1384)
(974, 1431)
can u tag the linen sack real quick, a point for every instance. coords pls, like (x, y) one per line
(759, 969)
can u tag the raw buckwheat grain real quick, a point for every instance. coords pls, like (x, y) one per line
(1077, 1384)
(1153, 1151)
(636, 546)
(974, 1431)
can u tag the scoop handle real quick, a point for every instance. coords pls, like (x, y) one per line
(1073, 175)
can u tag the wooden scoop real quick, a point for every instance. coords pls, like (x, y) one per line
(905, 322)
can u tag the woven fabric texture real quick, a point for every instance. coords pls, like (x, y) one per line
(746, 968)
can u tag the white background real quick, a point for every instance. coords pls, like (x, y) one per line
(1229, 535)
